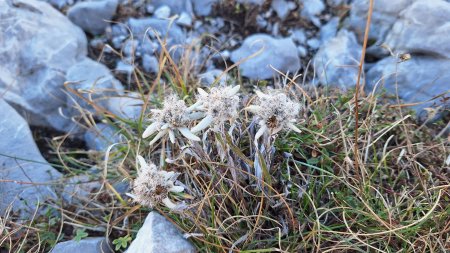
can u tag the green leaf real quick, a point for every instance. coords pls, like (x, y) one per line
(122, 242)
(313, 161)
(80, 234)
(265, 170)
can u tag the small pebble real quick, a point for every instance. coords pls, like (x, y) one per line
(150, 8)
(197, 24)
(130, 47)
(124, 67)
(184, 19)
(302, 51)
(97, 43)
(117, 41)
(150, 64)
(162, 12)
(299, 36)
(261, 22)
(314, 43)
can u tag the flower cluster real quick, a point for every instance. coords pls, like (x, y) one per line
(275, 111)
(214, 108)
(174, 116)
(218, 106)
(152, 186)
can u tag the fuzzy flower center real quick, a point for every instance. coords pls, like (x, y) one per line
(174, 112)
(219, 105)
(150, 187)
(278, 110)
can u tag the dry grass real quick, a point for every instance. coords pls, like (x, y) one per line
(311, 197)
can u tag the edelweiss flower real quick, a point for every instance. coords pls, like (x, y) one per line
(275, 111)
(220, 105)
(173, 116)
(152, 186)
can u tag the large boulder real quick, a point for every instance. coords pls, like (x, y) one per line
(385, 14)
(40, 49)
(158, 235)
(95, 83)
(418, 80)
(25, 176)
(263, 51)
(93, 16)
(37, 45)
(336, 62)
(423, 28)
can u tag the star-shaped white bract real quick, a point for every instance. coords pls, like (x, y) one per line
(218, 106)
(172, 118)
(275, 111)
(152, 186)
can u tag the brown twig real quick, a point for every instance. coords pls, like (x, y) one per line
(361, 62)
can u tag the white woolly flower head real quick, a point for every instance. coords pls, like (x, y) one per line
(275, 111)
(174, 112)
(173, 116)
(152, 186)
(221, 104)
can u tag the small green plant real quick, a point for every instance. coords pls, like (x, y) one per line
(122, 242)
(80, 234)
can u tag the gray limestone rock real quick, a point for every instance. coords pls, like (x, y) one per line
(208, 78)
(77, 188)
(311, 9)
(175, 6)
(127, 106)
(95, 83)
(422, 28)
(150, 64)
(266, 51)
(26, 178)
(314, 43)
(203, 7)
(299, 36)
(158, 235)
(37, 46)
(59, 3)
(100, 137)
(93, 16)
(336, 62)
(255, 2)
(384, 15)
(184, 20)
(88, 245)
(417, 80)
(329, 30)
(153, 28)
(162, 12)
(283, 7)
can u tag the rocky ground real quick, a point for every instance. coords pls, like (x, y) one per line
(62, 60)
